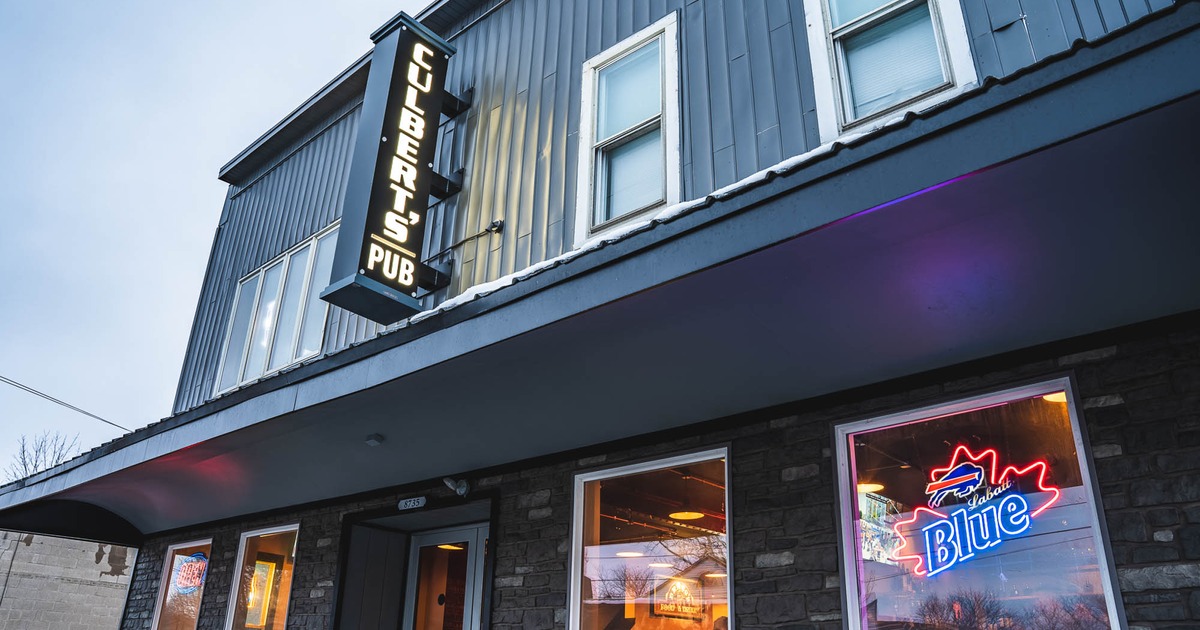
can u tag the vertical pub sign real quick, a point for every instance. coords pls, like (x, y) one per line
(379, 250)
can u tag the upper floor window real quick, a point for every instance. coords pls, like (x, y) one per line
(629, 135)
(278, 316)
(881, 56)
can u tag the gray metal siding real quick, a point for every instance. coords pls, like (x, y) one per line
(518, 143)
(1007, 35)
(747, 102)
(285, 203)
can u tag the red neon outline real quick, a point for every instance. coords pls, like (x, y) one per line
(991, 453)
(896, 529)
(1041, 481)
(962, 449)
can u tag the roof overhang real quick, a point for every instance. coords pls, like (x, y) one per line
(1054, 205)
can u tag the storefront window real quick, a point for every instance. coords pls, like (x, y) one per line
(652, 546)
(979, 514)
(260, 594)
(184, 571)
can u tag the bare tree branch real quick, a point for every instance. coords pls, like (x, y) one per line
(39, 453)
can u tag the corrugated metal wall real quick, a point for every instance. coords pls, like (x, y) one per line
(287, 202)
(1007, 35)
(518, 143)
(747, 103)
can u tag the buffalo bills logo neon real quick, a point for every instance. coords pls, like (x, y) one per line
(998, 507)
(962, 481)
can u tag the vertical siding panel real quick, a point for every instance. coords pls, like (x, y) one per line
(1047, 35)
(766, 114)
(1090, 19)
(1135, 9)
(741, 89)
(694, 113)
(804, 63)
(787, 81)
(720, 105)
(1070, 21)
(1012, 43)
(1113, 14)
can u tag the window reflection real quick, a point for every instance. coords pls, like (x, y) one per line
(655, 549)
(979, 518)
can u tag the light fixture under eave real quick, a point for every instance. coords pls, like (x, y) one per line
(1056, 397)
(686, 515)
(450, 547)
(869, 486)
(630, 554)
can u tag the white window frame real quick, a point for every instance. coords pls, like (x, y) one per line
(846, 494)
(666, 30)
(831, 92)
(237, 571)
(575, 588)
(309, 242)
(165, 581)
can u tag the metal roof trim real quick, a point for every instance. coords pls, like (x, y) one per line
(343, 87)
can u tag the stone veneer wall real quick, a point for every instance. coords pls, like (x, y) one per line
(1141, 397)
(49, 583)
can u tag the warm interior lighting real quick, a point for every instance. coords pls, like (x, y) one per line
(716, 575)
(630, 554)
(1058, 397)
(661, 565)
(450, 547)
(685, 515)
(869, 486)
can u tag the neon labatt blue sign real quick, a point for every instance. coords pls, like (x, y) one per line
(995, 510)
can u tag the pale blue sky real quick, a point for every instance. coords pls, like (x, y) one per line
(114, 119)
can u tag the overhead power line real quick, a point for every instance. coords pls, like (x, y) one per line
(5, 379)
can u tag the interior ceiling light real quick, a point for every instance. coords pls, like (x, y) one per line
(450, 547)
(661, 565)
(630, 554)
(1058, 397)
(869, 486)
(685, 515)
(716, 575)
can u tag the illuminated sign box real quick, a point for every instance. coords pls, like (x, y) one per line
(378, 261)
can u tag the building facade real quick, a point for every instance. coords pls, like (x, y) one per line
(48, 583)
(753, 314)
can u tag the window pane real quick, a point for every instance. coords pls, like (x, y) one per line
(982, 515)
(629, 92)
(655, 550)
(238, 332)
(441, 586)
(183, 587)
(632, 176)
(264, 581)
(842, 11)
(892, 62)
(264, 322)
(289, 310)
(313, 330)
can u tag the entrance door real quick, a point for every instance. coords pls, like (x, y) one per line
(445, 579)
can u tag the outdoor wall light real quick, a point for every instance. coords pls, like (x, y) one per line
(460, 486)
(374, 439)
